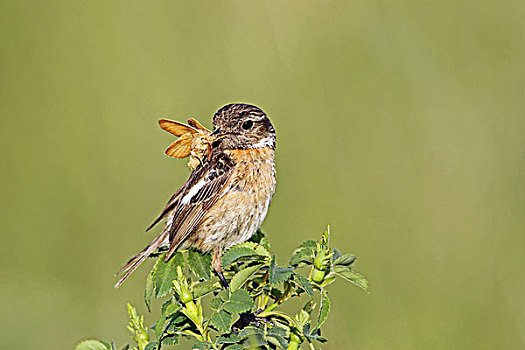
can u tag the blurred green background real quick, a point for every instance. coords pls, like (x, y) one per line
(400, 123)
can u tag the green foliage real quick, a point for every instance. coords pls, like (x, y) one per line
(164, 273)
(238, 301)
(324, 309)
(245, 251)
(136, 326)
(199, 264)
(279, 274)
(91, 345)
(242, 276)
(221, 321)
(248, 314)
(352, 276)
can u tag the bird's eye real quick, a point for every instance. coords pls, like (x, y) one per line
(247, 125)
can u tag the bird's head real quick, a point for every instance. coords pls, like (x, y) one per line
(243, 126)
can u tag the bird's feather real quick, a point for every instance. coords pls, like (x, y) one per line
(205, 186)
(208, 185)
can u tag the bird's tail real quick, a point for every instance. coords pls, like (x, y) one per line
(140, 257)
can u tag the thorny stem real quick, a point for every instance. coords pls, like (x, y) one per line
(286, 295)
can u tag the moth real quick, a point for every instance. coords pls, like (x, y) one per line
(194, 141)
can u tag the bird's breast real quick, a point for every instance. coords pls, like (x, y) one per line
(237, 215)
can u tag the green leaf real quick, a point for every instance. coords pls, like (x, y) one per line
(151, 346)
(250, 331)
(165, 273)
(324, 309)
(216, 303)
(317, 337)
(260, 249)
(244, 250)
(308, 244)
(320, 339)
(91, 345)
(176, 321)
(260, 238)
(353, 277)
(159, 326)
(336, 254)
(279, 274)
(328, 280)
(255, 342)
(169, 308)
(277, 336)
(302, 318)
(172, 339)
(222, 321)
(275, 293)
(203, 289)
(106, 344)
(199, 264)
(345, 260)
(229, 339)
(242, 276)
(278, 341)
(148, 292)
(139, 332)
(240, 301)
(302, 256)
(225, 295)
(309, 307)
(202, 345)
(277, 331)
(304, 283)
(304, 253)
(282, 318)
(236, 253)
(234, 347)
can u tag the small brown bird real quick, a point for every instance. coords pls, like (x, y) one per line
(195, 141)
(226, 198)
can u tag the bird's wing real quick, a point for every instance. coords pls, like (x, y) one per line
(206, 185)
(210, 184)
(168, 208)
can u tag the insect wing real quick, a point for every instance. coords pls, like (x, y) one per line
(180, 148)
(176, 128)
(194, 123)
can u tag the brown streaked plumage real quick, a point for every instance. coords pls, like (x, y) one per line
(227, 196)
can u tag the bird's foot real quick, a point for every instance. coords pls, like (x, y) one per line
(222, 279)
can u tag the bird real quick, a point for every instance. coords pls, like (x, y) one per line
(226, 197)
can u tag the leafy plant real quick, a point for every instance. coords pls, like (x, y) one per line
(247, 315)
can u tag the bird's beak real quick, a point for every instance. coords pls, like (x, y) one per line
(216, 132)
